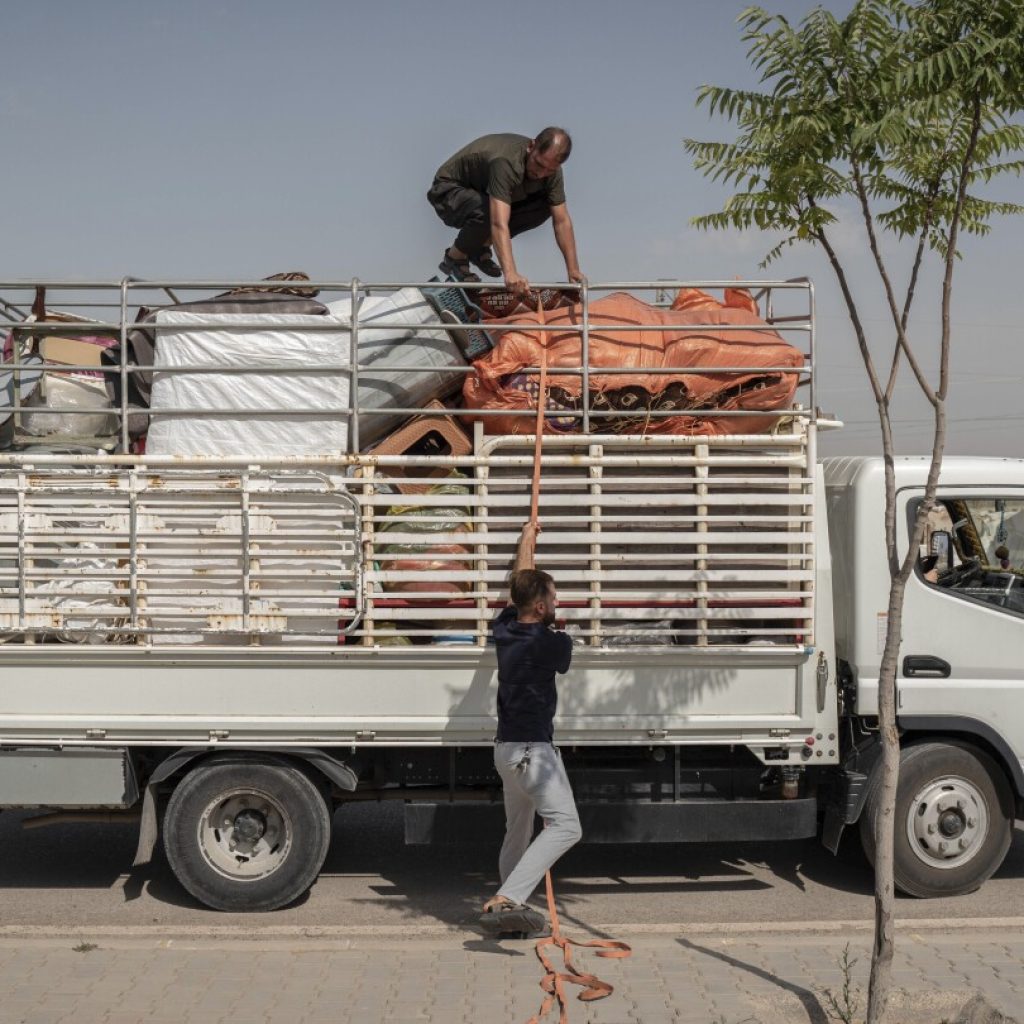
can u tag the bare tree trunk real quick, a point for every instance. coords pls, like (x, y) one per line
(882, 952)
(885, 823)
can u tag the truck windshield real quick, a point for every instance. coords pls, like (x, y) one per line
(1000, 525)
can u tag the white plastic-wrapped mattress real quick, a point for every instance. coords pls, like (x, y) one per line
(291, 410)
(288, 411)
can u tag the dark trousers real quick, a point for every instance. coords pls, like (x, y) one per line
(470, 212)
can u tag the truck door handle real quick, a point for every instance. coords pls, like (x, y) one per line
(926, 665)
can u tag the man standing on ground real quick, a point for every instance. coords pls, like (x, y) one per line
(529, 654)
(495, 188)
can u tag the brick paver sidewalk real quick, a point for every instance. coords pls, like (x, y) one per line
(701, 978)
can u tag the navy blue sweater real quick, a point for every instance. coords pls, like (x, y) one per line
(529, 655)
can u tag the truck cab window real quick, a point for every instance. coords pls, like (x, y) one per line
(974, 548)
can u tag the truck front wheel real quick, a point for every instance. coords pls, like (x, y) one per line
(954, 819)
(246, 835)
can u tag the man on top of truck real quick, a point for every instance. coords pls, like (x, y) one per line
(533, 777)
(495, 188)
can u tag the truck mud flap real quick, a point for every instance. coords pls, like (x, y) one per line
(693, 821)
(844, 806)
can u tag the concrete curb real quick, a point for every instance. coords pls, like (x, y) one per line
(336, 934)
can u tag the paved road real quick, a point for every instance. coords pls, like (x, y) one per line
(50, 877)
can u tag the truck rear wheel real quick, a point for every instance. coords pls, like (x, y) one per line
(246, 835)
(954, 820)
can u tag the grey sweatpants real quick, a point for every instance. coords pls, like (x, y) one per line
(534, 782)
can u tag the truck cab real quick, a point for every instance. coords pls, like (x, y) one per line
(959, 684)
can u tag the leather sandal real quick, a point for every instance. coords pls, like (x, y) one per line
(457, 270)
(485, 263)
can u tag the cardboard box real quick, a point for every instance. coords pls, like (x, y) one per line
(85, 351)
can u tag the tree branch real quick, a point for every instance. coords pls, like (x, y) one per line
(851, 307)
(912, 286)
(901, 334)
(954, 230)
(881, 399)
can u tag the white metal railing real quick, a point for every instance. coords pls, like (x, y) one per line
(677, 542)
(124, 555)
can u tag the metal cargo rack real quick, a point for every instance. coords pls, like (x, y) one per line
(665, 542)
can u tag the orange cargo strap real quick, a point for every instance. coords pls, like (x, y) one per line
(554, 981)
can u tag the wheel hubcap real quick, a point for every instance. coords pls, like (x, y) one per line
(245, 835)
(947, 822)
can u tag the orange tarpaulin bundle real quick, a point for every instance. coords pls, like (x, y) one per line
(501, 383)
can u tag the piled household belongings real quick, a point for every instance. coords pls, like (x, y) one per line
(428, 555)
(16, 381)
(225, 384)
(58, 379)
(265, 385)
(426, 564)
(494, 303)
(19, 371)
(285, 299)
(433, 433)
(286, 376)
(405, 365)
(77, 396)
(457, 309)
(699, 333)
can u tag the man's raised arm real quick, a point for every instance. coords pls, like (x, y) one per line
(527, 548)
(525, 551)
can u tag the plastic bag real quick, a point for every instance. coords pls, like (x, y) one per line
(90, 413)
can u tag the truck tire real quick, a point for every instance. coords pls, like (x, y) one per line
(246, 835)
(954, 819)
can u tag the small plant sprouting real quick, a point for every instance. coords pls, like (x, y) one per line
(843, 1008)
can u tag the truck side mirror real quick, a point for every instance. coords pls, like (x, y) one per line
(942, 547)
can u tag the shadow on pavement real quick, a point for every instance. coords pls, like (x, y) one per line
(89, 856)
(812, 1005)
(494, 947)
(424, 884)
(449, 884)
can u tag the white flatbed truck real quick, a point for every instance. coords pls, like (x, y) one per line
(224, 649)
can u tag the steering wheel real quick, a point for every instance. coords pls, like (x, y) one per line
(961, 574)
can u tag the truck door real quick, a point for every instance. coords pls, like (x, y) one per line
(959, 692)
(963, 625)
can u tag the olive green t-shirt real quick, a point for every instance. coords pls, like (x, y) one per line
(496, 164)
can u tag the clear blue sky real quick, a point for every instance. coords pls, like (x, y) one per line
(234, 139)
